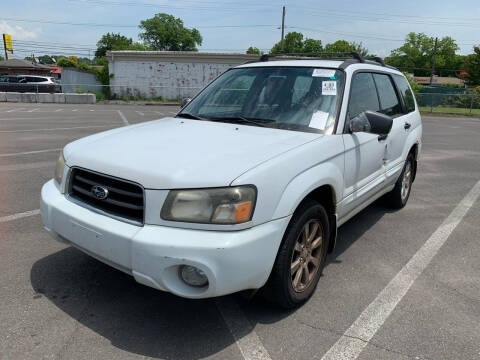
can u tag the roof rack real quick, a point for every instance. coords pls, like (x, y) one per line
(350, 58)
(317, 55)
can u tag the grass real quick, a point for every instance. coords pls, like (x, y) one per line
(449, 110)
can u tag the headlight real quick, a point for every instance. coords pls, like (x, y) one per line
(231, 205)
(59, 169)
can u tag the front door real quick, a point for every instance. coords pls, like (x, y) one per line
(364, 173)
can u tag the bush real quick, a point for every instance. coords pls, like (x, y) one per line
(64, 62)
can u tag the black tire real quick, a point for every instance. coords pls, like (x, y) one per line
(397, 198)
(280, 288)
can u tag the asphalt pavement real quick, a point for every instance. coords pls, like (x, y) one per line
(58, 303)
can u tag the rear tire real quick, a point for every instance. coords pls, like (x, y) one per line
(301, 257)
(398, 197)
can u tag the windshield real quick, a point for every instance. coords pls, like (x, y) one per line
(292, 98)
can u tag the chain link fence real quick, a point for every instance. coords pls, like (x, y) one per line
(464, 104)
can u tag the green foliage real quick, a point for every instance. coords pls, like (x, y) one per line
(453, 86)
(79, 91)
(472, 66)
(65, 62)
(111, 41)
(345, 46)
(417, 52)
(254, 50)
(166, 32)
(312, 45)
(46, 60)
(293, 43)
(1, 58)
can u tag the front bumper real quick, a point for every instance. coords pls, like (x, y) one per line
(152, 254)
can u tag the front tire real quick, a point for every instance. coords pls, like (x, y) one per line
(301, 257)
(398, 197)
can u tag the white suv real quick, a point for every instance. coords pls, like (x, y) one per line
(246, 186)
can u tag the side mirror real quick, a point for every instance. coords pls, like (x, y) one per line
(185, 101)
(371, 122)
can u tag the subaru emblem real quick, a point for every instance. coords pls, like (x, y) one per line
(99, 192)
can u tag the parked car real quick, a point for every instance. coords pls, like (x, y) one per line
(29, 83)
(246, 186)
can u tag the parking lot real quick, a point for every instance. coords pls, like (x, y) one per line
(405, 298)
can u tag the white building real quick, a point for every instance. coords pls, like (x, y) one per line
(167, 74)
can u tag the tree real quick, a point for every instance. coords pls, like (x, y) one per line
(46, 60)
(1, 58)
(472, 67)
(416, 55)
(345, 46)
(116, 42)
(293, 43)
(312, 45)
(166, 32)
(254, 50)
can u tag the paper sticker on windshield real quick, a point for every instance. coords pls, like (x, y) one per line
(323, 73)
(329, 88)
(319, 120)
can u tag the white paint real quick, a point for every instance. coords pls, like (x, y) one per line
(74, 110)
(159, 113)
(140, 113)
(124, 119)
(33, 110)
(30, 152)
(13, 110)
(19, 215)
(242, 330)
(357, 336)
(35, 118)
(58, 110)
(55, 129)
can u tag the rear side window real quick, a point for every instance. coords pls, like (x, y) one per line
(363, 95)
(405, 92)
(389, 103)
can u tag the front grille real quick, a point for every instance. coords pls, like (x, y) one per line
(125, 199)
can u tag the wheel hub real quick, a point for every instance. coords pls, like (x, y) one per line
(306, 256)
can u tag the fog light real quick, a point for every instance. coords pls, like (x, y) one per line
(193, 276)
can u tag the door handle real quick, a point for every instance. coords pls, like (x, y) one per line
(407, 126)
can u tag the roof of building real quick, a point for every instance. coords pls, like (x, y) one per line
(438, 80)
(22, 64)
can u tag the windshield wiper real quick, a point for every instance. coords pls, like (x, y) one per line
(190, 116)
(244, 120)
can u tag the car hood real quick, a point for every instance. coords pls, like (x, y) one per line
(181, 153)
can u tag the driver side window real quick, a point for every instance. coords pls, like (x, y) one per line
(363, 95)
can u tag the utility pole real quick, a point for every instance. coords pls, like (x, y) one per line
(283, 28)
(434, 60)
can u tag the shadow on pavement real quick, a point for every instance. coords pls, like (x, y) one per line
(149, 322)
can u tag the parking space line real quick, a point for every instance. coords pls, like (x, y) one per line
(124, 119)
(242, 330)
(33, 110)
(35, 118)
(19, 215)
(30, 152)
(73, 110)
(140, 113)
(13, 110)
(357, 336)
(58, 110)
(55, 129)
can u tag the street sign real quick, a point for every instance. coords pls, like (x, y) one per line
(8, 46)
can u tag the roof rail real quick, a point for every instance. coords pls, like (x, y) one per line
(350, 58)
(317, 55)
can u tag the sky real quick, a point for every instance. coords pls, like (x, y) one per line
(72, 27)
